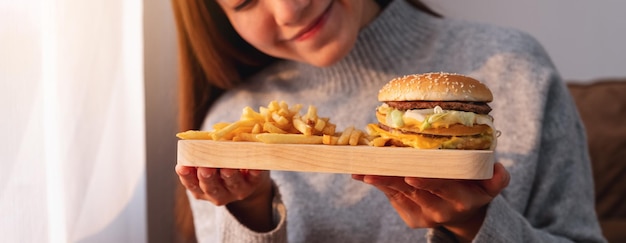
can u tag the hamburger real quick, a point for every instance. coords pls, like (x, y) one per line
(434, 111)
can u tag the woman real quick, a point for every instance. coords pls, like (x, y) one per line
(238, 53)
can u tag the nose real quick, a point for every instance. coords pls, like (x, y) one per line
(288, 12)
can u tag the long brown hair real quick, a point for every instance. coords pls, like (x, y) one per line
(212, 57)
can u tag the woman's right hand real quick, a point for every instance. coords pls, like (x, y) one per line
(246, 193)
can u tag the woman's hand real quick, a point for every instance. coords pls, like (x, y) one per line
(458, 205)
(246, 193)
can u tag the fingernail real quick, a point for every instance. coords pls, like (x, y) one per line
(183, 171)
(227, 173)
(206, 174)
(254, 172)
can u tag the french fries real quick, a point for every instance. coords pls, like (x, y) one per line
(192, 134)
(280, 124)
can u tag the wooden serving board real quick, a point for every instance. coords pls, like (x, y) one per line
(390, 161)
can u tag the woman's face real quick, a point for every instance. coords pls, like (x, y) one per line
(318, 32)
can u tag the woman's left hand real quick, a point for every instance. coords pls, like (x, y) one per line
(458, 205)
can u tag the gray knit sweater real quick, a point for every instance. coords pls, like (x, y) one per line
(542, 145)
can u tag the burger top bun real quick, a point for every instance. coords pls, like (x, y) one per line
(435, 87)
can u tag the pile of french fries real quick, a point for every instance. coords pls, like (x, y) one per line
(280, 124)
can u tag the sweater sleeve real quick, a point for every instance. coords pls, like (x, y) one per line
(560, 206)
(217, 224)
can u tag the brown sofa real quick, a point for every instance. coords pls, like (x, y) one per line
(602, 106)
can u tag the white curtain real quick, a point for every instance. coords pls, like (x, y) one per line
(72, 147)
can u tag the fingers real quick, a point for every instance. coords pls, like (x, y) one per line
(188, 177)
(221, 186)
(235, 182)
(210, 185)
(498, 182)
(464, 189)
(396, 188)
(457, 198)
(410, 212)
(204, 183)
(409, 202)
(447, 189)
(394, 183)
(358, 177)
(431, 202)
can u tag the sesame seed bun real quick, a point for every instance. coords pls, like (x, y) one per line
(435, 87)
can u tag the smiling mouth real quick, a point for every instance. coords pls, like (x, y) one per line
(314, 27)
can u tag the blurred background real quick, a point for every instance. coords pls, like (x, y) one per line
(88, 102)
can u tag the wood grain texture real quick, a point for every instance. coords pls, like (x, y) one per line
(391, 161)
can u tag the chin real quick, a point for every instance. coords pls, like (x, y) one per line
(330, 54)
(324, 61)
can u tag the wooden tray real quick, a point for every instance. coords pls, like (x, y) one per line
(391, 161)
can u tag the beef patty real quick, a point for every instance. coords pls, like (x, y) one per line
(476, 107)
